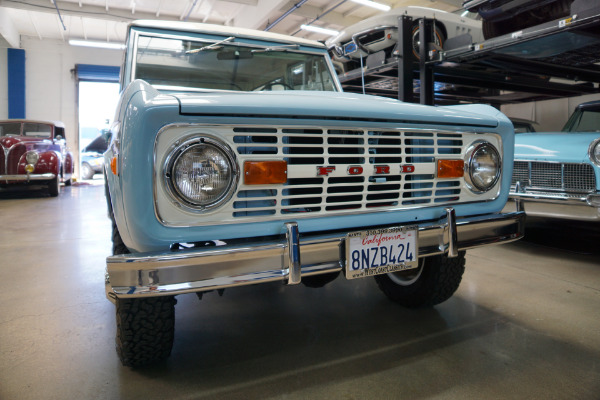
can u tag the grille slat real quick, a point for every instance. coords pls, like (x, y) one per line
(564, 177)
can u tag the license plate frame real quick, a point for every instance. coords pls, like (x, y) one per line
(365, 257)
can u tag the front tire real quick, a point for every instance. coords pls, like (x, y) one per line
(433, 282)
(86, 171)
(145, 329)
(54, 186)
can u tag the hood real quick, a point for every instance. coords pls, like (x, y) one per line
(9, 141)
(333, 105)
(554, 146)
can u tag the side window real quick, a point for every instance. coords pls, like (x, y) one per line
(59, 131)
(10, 129)
(37, 130)
(589, 122)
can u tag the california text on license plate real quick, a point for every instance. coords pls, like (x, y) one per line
(381, 251)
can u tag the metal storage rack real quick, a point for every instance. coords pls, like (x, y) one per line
(556, 59)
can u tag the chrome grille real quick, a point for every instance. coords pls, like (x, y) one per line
(554, 176)
(306, 149)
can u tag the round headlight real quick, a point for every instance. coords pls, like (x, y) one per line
(201, 173)
(595, 152)
(32, 157)
(483, 164)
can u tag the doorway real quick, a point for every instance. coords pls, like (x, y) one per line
(97, 104)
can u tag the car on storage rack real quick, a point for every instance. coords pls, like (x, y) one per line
(235, 159)
(557, 174)
(500, 17)
(381, 33)
(34, 153)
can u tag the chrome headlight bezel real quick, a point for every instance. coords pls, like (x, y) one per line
(594, 152)
(175, 154)
(471, 157)
(32, 157)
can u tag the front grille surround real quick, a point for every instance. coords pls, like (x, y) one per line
(556, 177)
(410, 182)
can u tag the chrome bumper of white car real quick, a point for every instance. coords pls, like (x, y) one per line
(584, 207)
(286, 260)
(28, 177)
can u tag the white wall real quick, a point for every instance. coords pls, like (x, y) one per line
(51, 87)
(551, 115)
(3, 84)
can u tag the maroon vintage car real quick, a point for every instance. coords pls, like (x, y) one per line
(34, 153)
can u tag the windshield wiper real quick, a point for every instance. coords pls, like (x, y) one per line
(214, 46)
(284, 47)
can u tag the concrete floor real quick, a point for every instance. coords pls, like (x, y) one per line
(525, 323)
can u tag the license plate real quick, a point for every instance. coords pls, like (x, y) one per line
(381, 251)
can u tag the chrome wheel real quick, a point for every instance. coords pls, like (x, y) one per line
(407, 277)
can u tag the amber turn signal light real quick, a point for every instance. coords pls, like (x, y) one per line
(265, 172)
(450, 168)
(113, 165)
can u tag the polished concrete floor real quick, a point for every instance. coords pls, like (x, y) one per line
(525, 323)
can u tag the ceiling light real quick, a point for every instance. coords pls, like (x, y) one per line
(102, 45)
(373, 4)
(316, 29)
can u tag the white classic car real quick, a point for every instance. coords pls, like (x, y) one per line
(381, 32)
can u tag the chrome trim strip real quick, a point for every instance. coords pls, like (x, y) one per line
(32, 177)
(546, 198)
(202, 269)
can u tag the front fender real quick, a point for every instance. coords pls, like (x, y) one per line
(49, 162)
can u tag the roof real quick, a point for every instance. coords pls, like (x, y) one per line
(224, 30)
(58, 124)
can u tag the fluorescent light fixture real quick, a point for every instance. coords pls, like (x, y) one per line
(316, 29)
(373, 4)
(102, 45)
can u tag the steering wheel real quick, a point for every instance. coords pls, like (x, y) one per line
(269, 85)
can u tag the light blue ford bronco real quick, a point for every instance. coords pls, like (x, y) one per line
(236, 159)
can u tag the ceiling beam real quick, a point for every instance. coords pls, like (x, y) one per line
(89, 11)
(311, 12)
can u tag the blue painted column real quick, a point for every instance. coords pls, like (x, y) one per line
(16, 83)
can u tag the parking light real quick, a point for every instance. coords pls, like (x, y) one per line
(450, 168)
(265, 172)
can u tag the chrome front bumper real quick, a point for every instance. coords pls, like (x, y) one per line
(288, 259)
(28, 177)
(556, 205)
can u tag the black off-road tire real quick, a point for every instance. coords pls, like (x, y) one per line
(54, 186)
(433, 282)
(118, 247)
(145, 329)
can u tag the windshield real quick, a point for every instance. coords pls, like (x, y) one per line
(186, 64)
(583, 120)
(32, 129)
(10, 129)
